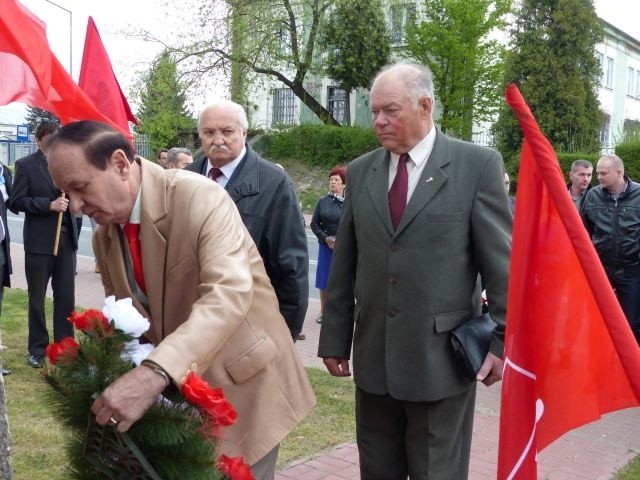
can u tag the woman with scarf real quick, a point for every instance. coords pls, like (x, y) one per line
(324, 225)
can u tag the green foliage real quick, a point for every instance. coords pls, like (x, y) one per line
(357, 45)
(553, 60)
(276, 40)
(36, 115)
(321, 144)
(629, 152)
(170, 435)
(453, 40)
(163, 114)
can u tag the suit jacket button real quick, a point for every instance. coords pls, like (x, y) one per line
(393, 281)
(394, 248)
(392, 312)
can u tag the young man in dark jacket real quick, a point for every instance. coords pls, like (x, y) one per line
(611, 213)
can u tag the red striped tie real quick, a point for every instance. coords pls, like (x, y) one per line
(131, 231)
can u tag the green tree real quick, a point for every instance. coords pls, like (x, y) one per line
(251, 40)
(453, 39)
(163, 114)
(36, 115)
(357, 45)
(553, 61)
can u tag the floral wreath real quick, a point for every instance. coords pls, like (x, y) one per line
(176, 438)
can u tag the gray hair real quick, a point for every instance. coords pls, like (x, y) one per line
(236, 107)
(172, 155)
(580, 164)
(418, 78)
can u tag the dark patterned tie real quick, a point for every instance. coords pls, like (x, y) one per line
(398, 191)
(131, 231)
(215, 173)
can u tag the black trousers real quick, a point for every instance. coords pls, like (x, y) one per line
(61, 270)
(421, 440)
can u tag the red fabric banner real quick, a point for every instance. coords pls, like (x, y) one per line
(31, 73)
(99, 82)
(570, 355)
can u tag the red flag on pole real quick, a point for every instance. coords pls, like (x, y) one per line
(99, 82)
(32, 74)
(570, 355)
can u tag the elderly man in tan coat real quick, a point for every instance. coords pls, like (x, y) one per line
(201, 283)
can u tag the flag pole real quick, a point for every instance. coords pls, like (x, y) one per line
(58, 227)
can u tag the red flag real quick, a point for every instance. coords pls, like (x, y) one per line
(32, 74)
(570, 355)
(99, 82)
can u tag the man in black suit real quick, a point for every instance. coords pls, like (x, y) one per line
(35, 194)
(5, 254)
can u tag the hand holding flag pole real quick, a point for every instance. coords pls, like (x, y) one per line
(58, 227)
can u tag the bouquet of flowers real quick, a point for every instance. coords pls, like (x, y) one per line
(177, 436)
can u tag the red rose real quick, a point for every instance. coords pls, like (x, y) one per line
(66, 349)
(210, 400)
(91, 319)
(234, 468)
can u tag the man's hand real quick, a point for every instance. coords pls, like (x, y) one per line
(338, 367)
(491, 370)
(60, 204)
(331, 242)
(128, 398)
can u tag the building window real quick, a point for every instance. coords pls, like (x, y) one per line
(638, 83)
(631, 82)
(336, 102)
(608, 73)
(605, 131)
(402, 16)
(283, 107)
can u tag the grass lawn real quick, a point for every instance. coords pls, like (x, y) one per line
(39, 439)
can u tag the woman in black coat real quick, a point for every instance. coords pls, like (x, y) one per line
(324, 224)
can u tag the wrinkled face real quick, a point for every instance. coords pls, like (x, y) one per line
(183, 160)
(107, 196)
(399, 121)
(221, 135)
(581, 177)
(335, 184)
(608, 175)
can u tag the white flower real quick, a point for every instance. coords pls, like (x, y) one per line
(136, 351)
(125, 316)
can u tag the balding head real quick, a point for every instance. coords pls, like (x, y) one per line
(610, 171)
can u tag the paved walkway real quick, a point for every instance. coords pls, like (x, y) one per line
(593, 452)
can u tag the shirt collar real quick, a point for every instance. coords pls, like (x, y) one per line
(137, 208)
(420, 153)
(228, 169)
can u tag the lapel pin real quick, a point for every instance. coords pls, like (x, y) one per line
(430, 179)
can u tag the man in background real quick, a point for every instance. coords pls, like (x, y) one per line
(174, 243)
(5, 250)
(423, 216)
(580, 181)
(507, 187)
(267, 203)
(178, 157)
(161, 158)
(611, 213)
(35, 194)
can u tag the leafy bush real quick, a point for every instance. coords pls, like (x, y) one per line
(322, 145)
(629, 152)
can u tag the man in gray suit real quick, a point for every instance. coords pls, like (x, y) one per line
(416, 233)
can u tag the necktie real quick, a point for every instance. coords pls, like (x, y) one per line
(131, 231)
(398, 191)
(215, 173)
